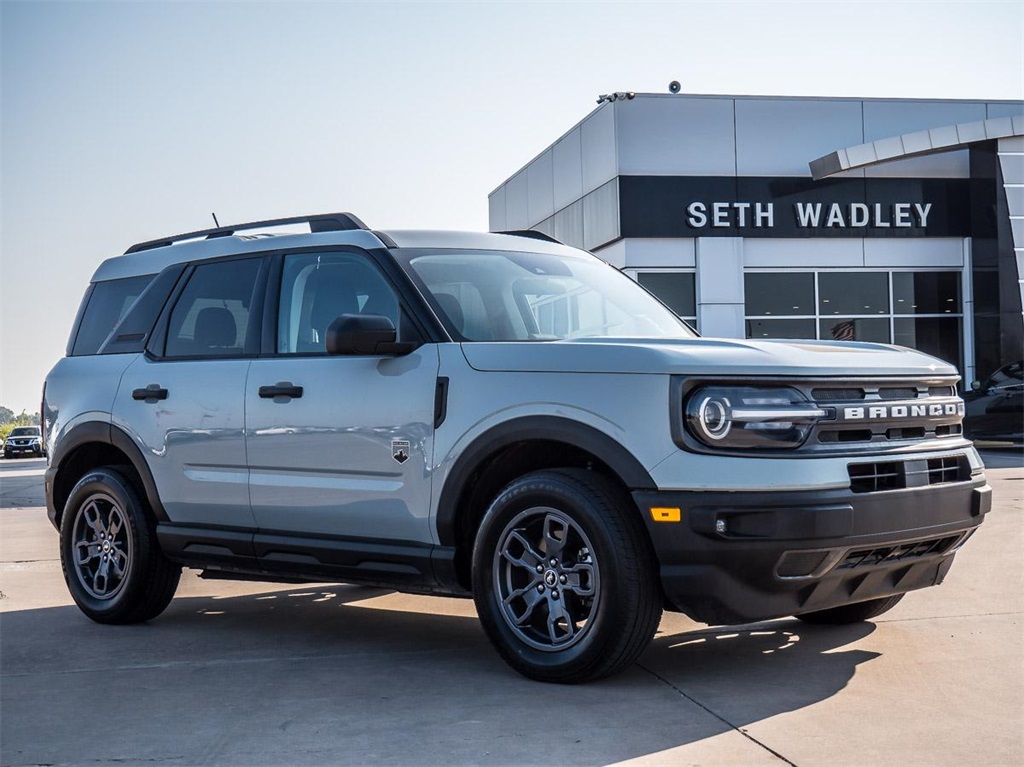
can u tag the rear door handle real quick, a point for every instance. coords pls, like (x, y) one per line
(281, 389)
(153, 392)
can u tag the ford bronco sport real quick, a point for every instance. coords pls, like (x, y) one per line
(488, 415)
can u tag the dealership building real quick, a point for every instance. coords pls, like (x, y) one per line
(900, 221)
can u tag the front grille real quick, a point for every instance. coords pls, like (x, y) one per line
(897, 475)
(892, 393)
(836, 395)
(882, 555)
(913, 432)
(845, 435)
(865, 413)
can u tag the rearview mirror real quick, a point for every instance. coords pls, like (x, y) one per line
(365, 335)
(976, 385)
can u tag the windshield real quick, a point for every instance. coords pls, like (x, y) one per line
(505, 296)
(25, 431)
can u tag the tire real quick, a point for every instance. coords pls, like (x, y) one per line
(855, 613)
(595, 603)
(105, 517)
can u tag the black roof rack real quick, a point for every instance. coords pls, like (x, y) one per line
(324, 222)
(533, 234)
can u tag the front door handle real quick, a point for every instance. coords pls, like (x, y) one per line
(281, 389)
(151, 393)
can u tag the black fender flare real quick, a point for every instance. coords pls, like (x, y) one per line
(547, 428)
(108, 434)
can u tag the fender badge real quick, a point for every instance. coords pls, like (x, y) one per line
(400, 450)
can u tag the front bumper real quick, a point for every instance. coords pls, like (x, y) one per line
(22, 449)
(746, 556)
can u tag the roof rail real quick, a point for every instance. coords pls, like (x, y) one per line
(532, 234)
(323, 222)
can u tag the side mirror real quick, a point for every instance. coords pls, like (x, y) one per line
(365, 335)
(976, 385)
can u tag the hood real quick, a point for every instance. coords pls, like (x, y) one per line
(705, 356)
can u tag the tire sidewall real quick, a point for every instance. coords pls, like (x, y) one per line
(549, 491)
(114, 485)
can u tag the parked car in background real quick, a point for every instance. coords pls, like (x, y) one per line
(995, 407)
(24, 440)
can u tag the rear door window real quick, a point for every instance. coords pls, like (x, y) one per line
(108, 302)
(212, 316)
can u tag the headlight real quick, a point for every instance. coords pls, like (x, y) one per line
(748, 417)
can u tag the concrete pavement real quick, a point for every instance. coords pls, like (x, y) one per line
(249, 673)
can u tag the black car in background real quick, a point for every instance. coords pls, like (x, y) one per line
(24, 440)
(995, 407)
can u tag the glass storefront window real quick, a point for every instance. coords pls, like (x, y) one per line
(875, 329)
(675, 289)
(779, 294)
(846, 293)
(760, 328)
(938, 336)
(926, 293)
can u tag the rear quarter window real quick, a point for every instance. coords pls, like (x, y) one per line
(105, 305)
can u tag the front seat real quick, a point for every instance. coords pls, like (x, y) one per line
(215, 330)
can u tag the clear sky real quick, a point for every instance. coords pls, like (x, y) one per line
(125, 121)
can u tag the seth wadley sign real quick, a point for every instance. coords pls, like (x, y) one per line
(807, 215)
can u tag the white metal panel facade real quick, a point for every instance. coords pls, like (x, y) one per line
(668, 135)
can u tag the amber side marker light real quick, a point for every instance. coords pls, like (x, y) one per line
(662, 514)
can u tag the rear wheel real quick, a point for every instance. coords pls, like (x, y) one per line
(564, 577)
(112, 562)
(855, 613)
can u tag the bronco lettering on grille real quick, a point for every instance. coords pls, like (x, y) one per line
(889, 412)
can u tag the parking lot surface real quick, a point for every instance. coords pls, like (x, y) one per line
(252, 673)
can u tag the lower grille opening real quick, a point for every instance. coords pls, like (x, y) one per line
(950, 468)
(899, 552)
(874, 477)
(797, 564)
(948, 430)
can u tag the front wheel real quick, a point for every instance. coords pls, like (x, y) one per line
(564, 578)
(855, 613)
(112, 562)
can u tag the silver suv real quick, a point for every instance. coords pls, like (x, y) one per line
(495, 416)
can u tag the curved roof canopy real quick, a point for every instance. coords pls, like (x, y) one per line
(916, 144)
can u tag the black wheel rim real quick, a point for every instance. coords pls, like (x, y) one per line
(547, 579)
(101, 547)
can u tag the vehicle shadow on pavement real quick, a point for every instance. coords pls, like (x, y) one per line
(332, 675)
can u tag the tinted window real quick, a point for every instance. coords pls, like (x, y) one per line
(211, 317)
(926, 293)
(675, 289)
(318, 288)
(938, 336)
(853, 293)
(757, 328)
(107, 304)
(868, 329)
(779, 294)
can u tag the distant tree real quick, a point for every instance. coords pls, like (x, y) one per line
(6, 415)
